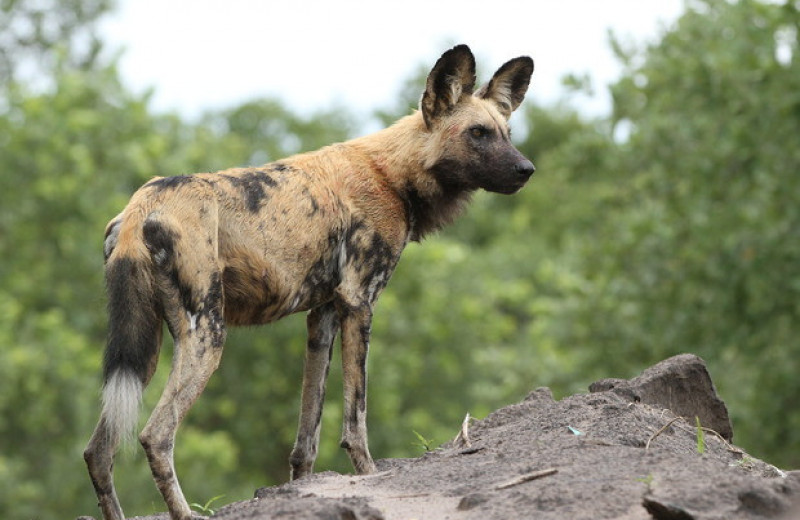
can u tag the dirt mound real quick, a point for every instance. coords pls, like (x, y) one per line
(616, 453)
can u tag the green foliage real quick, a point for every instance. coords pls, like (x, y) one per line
(706, 246)
(267, 131)
(701, 436)
(35, 35)
(647, 481)
(206, 508)
(670, 227)
(422, 442)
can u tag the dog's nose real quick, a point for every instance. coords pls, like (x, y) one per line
(525, 168)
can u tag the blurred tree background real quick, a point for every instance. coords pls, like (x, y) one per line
(671, 225)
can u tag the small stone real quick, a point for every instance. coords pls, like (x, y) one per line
(471, 501)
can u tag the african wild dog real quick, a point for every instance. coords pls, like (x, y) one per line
(318, 232)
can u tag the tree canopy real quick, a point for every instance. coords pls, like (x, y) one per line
(670, 225)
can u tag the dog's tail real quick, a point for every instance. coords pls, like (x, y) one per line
(134, 324)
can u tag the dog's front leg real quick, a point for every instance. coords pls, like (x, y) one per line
(356, 321)
(323, 325)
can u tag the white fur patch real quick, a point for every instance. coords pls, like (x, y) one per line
(376, 284)
(456, 89)
(192, 320)
(160, 256)
(122, 397)
(342, 257)
(294, 304)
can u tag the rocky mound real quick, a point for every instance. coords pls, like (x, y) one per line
(627, 450)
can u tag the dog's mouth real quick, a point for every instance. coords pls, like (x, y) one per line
(509, 189)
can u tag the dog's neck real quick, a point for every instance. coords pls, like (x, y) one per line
(402, 154)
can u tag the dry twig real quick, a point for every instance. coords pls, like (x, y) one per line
(659, 432)
(728, 445)
(462, 439)
(527, 477)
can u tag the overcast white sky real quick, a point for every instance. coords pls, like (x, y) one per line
(203, 54)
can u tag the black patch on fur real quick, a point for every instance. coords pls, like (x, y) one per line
(160, 241)
(134, 318)
(232, 280)
(454, 175)
(323, 277)
(360, 404)
(236, 301)
(315, 345)
(314, 206)
(254, 185)
(321, 398)
(185, 292)
(170, 183)
(428, 214)
(365, 331)
(321, 280)
(247, 297)
(316, 329)
(162, 476)
(373, 257)
(361, 400)
(211, 310)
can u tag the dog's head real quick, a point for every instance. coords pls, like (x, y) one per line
(470, 145)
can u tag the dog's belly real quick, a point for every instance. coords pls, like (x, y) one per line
(254, 297)
(295, 274)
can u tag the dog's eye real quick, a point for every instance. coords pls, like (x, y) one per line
(479, 132)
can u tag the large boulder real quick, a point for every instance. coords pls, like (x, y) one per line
(680, 384)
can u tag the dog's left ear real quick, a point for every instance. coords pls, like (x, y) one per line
(508, 86)
(451, 78)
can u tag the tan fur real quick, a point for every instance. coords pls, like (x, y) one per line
(318, 232)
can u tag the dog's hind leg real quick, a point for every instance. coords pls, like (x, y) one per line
(99, 456)
(190, 282)
(323, 325)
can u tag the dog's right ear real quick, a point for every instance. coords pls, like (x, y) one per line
(452, 78)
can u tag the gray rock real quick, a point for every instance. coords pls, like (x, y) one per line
(681, 384)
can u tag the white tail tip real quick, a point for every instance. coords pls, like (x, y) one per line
(122, 398)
